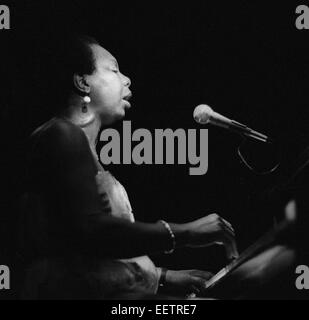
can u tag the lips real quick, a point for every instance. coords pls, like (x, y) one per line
(126, 99)
(128, 96)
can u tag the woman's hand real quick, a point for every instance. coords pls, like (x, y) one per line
(209, 230)
(185, 282)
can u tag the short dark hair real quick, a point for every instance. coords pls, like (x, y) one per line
(73, 56)
(80, 56)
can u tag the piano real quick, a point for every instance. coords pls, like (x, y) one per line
(261, 264)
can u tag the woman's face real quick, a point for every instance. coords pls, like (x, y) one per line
(109, 88)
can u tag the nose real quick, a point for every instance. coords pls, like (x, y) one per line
(126, 81)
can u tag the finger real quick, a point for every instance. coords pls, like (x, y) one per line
(230, 232)
(235, 250)
(191, 296)
(204, 275)
(228, 224)
(231, 251)
(230, 245)
(195, 289)
(227, 238)
(201, 285)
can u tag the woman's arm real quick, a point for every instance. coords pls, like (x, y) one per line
(82, 220)
(183, 282)
(72, 184)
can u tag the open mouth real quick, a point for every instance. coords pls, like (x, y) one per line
(127, 97)
(126, 100)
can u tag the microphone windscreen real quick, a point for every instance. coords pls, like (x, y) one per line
(202, 114)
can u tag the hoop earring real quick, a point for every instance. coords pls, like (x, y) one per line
(87, 100)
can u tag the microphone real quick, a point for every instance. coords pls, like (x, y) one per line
(203, 114)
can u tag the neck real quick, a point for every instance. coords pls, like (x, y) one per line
(89, 121)
(92, 131)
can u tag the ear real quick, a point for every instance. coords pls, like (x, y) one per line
(80, 83)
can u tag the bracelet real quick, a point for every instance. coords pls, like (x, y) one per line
(162, 280)
(171, 233)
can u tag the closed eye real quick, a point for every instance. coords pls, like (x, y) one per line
(114, 66)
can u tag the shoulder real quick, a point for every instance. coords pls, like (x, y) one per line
(61, 136)
(58, 128)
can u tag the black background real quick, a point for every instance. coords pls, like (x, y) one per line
(246, 59)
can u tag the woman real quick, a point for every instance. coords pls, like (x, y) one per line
(78, 236)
